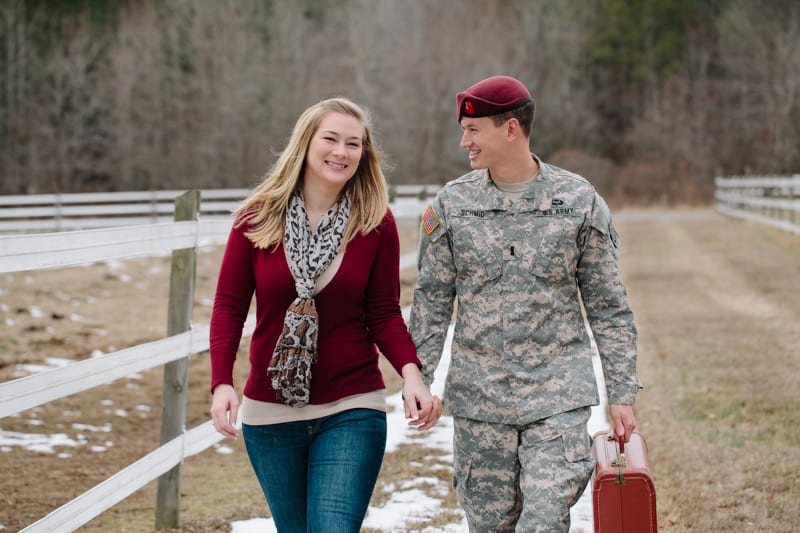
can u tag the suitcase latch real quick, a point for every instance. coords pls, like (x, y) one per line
(619, 462)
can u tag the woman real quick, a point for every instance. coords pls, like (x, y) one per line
(317, 245)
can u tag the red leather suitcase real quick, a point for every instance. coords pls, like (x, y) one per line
(623, 493)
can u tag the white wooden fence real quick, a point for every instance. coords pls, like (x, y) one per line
(38, 251)
(771, 200)
(23, 252)
(65, 212)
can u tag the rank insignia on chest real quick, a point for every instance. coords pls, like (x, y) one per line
(429, 220)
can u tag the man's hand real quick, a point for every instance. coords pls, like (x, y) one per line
(624, 421)
(421, 407)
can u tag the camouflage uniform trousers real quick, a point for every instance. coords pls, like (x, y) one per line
(511, 478)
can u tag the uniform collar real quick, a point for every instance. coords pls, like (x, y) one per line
(538, 197)
(496, 200)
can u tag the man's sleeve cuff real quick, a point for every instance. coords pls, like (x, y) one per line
(623, 393)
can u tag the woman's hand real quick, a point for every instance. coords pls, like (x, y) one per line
(421, 407)
(224, 409)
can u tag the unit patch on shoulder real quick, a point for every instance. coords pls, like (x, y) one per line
(429, 220)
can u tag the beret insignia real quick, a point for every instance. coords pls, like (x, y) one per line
(468, 107)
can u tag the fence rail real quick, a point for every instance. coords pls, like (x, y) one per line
(37, 251)
(771, 200)
(64, 212)
(78, 211)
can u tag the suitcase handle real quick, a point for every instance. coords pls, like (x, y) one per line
(620, 442)
(620, 461)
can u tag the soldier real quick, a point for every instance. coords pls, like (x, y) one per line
(520, 244)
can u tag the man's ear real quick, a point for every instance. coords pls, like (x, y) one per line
(513, 129)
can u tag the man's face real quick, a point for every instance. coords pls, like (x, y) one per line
(487, 144)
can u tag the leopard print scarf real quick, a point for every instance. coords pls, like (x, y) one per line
(308, 254)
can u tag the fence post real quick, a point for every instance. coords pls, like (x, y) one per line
(179, 316)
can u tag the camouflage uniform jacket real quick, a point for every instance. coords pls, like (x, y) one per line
(519, 269)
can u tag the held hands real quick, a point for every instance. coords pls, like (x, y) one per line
(421, 407)
(623, 419)
(224, 409)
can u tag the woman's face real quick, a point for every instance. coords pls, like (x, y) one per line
(334, 151)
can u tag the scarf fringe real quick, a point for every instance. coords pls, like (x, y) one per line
(295, 352)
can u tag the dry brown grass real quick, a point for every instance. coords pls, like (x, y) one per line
(717, 303)
(718, 306)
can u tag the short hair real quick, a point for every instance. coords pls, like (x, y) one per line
(524, 116)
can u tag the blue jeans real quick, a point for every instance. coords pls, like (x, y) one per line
(318, 475)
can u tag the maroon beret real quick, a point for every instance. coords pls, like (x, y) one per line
(491, 96)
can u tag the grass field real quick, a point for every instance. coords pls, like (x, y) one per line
(717, 303)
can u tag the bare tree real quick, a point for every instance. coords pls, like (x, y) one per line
(760, 55)
(202, 93)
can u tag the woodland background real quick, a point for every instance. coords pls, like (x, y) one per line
(649, 99)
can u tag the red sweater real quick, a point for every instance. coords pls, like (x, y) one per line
(358, 308)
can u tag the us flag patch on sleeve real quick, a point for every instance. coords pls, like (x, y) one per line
(429, 220)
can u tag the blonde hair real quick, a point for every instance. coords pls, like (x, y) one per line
(264, 211)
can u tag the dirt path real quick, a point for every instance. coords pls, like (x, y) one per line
(717, 302)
